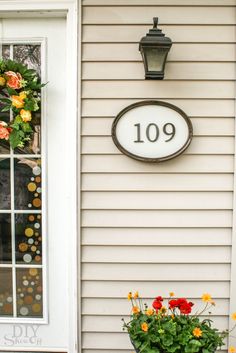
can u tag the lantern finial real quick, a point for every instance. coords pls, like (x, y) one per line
(155, 22)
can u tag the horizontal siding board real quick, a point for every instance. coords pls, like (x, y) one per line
(149, 219)
(157, 200)
(162, 90)
(133, 33)
(114, 323)
(100, 306)
(206, 52)
(157, 182)
(196, 107)
(152, 254)
(182, 164)
(155, 272)
(179, 15)
(173, 71)
(159, 2)
(199, 145)
(157, 237)
(109, 289)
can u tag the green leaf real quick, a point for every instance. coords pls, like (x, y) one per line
(15, 138)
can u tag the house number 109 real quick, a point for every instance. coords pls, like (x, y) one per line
(153, 132)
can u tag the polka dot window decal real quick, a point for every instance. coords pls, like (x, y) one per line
(29, 292)
(28, 239)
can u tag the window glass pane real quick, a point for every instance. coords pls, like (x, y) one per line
(28, 55)
(6, 51)
(28, 239)
(5, 184)
(27, 181)
(6, 298)
(29, 292)
(5, 238)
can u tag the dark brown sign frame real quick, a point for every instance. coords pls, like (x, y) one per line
(159, 103)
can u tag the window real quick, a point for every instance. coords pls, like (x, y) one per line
(21, 220)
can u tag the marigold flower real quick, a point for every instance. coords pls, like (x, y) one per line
(232, 349)
(17, 101)
(233, 316)
(149, 312)
(135, 310)
(2, 81)
(172, 294)
(129, 296)
(144, 327)
(206, 297)
(136, 295)
(197, 332)
(25, 115)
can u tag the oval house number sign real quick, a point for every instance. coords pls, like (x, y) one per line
(152, 131)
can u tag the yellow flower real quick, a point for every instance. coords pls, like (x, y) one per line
(144, 327)
(163, 310)
(135, 310)
(206, 297)
(136, 295)
(172, 316)
(25, 115)
(149, 312)
(233, 316)
(197, 332)
(17, 101)
(172, 294)
(2, 81)
(23, 95)
(232, 349)
(129, 296)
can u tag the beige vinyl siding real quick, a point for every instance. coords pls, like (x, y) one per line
(155, 227)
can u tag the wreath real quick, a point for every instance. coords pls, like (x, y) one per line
(20, 90)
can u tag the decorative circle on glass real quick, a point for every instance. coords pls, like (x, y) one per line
(152, 131)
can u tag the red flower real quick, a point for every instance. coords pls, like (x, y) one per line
(173, 303)
(157, 305)
(185, 308)
(159, 299)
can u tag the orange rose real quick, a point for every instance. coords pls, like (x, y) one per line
(17, 101)
(13, 79)
(25, 115)
(4, 132)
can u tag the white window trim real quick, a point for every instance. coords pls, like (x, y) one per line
(72, 8)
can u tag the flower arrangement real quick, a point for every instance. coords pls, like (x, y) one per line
(19, 92)
(171, 328)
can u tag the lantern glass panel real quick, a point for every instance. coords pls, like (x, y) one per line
(155, 58)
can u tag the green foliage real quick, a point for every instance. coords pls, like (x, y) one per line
(30, 86)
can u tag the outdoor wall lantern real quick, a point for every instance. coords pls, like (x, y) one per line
(154, 48)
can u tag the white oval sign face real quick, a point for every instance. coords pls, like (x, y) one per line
(152, 131)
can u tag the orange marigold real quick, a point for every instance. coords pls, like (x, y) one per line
(136, 295)
(197, 332)
(135, 310)
(144, 326)
(172, 294)
(149, 312)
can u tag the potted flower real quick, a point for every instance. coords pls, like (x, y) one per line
(171, 328)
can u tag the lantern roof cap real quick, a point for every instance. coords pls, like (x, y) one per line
(155, 34)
